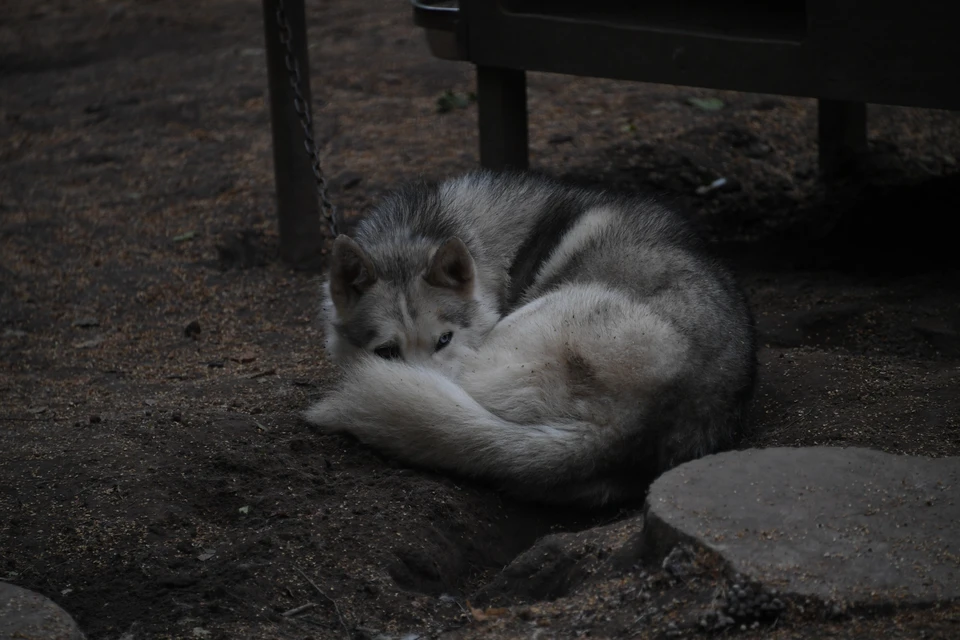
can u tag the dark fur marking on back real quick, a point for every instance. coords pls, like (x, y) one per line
(560, 213)
(566, 273)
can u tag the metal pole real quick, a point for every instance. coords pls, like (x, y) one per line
(842, 133)
(301, 227)
(502, 109)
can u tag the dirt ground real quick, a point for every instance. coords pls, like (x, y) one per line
(155, 479)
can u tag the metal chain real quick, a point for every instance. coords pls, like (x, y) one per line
(302, 108)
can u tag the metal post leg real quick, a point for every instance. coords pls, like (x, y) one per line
(301, 228)
(842, 136)
(502, 107)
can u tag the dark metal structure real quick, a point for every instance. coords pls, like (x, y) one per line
(843, 52)
(301, 226)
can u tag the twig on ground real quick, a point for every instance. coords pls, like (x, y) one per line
(346, 629)
(300, 609)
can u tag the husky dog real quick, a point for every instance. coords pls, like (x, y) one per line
(564, 344)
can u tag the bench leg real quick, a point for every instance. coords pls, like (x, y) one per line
(502, 108)
(842, 131)
(301, 228)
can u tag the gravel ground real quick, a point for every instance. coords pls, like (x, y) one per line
(155, 479)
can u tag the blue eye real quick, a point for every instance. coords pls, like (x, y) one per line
(444, 340)
(388, 352)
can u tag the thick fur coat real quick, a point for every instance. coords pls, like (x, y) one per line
(565, 344)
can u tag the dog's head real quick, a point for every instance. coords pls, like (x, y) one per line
(411, 300)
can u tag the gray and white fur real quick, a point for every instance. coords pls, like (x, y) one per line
(564, 344)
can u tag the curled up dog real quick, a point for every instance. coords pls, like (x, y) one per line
(563, 344)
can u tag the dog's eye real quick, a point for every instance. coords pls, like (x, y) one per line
(444, 340)
(388, 351)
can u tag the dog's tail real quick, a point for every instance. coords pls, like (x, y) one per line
(422, 417)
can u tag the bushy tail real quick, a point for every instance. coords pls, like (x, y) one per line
(422, 417)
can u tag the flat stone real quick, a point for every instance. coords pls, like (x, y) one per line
(28, 615)
(852, 525)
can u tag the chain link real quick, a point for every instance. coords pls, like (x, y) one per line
(302, 108)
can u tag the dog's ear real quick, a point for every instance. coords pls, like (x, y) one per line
(451, 267)
(351, 273)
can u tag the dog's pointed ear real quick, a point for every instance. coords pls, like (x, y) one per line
(451, 267)
(351, 273)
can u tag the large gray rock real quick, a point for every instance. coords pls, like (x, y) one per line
(28, 615)
(851, 525)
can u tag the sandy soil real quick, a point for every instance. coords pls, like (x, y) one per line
(155, 479)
